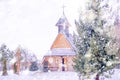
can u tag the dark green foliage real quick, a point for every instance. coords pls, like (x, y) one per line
(34, 66)
(6, 56)
(93, 55)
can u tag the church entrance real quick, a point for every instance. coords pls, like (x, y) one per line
(63, 62)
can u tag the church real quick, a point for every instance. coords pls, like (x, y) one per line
(60, 57)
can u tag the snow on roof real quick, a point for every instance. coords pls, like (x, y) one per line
(61, 52)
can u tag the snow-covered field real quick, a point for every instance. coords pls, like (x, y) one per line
(27, 75)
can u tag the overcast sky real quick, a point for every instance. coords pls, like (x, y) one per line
(31, 23)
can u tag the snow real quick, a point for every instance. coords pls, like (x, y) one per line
(37, 75)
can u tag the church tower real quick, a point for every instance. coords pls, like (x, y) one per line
(63, 24)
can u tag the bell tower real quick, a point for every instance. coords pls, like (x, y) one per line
(63, 24)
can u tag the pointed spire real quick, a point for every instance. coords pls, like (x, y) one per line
(63, 24)
(63, 9)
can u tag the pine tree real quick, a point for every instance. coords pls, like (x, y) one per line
(6, 56)
(96, 46)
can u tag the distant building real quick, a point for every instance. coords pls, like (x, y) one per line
(60, 57)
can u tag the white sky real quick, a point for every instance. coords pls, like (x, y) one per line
(31, 23)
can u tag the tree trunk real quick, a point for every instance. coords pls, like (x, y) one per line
(15, 68)
(4, 67)
(97, 77)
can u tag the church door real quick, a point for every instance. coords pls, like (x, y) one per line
(63, 62)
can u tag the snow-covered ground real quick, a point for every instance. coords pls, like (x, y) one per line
(27, 75)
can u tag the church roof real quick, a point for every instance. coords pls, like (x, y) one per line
(61, 52)
(61, 42)
(61, 46)
(62, 20)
